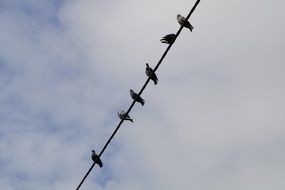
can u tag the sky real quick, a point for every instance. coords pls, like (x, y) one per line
(214, 121)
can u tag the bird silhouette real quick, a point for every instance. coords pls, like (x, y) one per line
(135, 96)
(96, 158)
(149, 72)
(168, 39)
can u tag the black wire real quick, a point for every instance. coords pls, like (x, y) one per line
(140, 92)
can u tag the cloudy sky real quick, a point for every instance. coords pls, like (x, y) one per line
(214, 121)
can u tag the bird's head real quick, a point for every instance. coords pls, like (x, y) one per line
(131, 91)
(179, 15)
(93, 151)
(147, 65)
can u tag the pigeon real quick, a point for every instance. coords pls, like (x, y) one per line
(181, 21)
(149, 72)
(96, 158)
(168, 39)
(122, 114)
(135, 96)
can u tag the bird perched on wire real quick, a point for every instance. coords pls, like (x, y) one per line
(122, 114)
(149, 72)
(96, 158)
(168, 39)
(187, 24)
(135, 96)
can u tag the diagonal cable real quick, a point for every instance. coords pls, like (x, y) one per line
(140, 92)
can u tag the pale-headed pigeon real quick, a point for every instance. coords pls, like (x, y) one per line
(187, 24)
(122, 114)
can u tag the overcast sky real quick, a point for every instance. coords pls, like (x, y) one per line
(216, 119)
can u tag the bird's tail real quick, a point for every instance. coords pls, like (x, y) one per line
(163, 41)
(129, 119)
(191, 28)
(142, 102)
(99, 162)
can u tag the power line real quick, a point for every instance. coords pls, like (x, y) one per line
(140, 92)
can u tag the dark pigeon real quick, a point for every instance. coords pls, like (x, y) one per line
(149, 72)
(187, 24)
(96, 158)
(168, 39)
(122, 114)
(135, 95)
